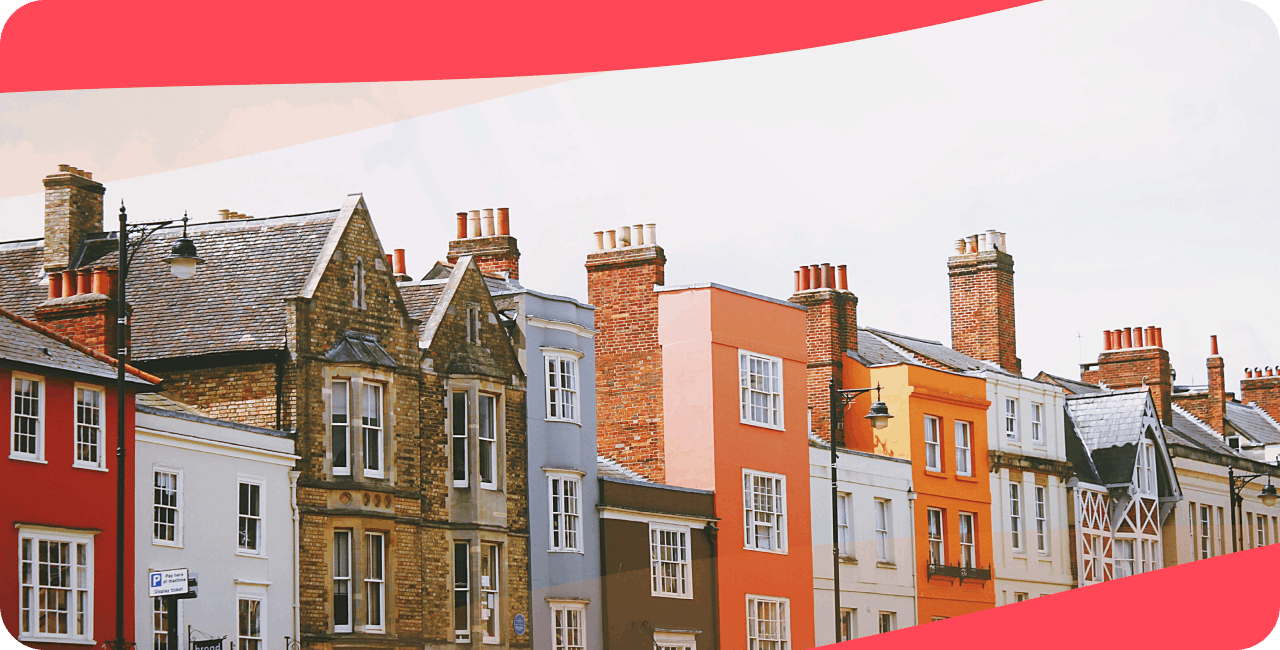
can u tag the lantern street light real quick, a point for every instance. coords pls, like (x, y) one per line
(1237, 483)
(879, 416)
(182, 262)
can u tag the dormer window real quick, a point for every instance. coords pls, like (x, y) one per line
(1233, 442)
(1145, 468)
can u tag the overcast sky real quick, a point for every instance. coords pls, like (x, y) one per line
(1131, 151)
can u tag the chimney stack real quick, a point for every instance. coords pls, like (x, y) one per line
(72, 211)
(629, 409)
(398, 266)
(831, 330)
(1210, 406)
(982, 314)
(493, 247)
(1125, 365)
(82, 306)
(1262, 388)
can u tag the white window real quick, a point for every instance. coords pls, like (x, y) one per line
(250, 617)
(1095, 557)
(932, 443)
(89, 439)
(1124, 558)
(1206, 524)
(1262, 530)
(669, 566)
(488, 444)
(566, 512)
(458, 417)
(1222, 526)
(883, 520)
(764, 504)
(674, 641)
(562, 387)
(56, 582)
(567, 626)
(250, 518)
(968, 545)
(473, 325)
(341, 581)
(1144, 559)
(1042, 520)
(964, 452)
(27, 440)
(1019, 596)
(166, 511)
(1011, 418)
(1015, 515)
(768, 623)
(844, 513)
(937, 549)
(160, 624)
(371, 427)
(375, 582)
(340, 426)
(888, 621)
(761, 394)
(461, 592)
(848, 624)
(489, 592)
(1145, 469)
(1037, 423)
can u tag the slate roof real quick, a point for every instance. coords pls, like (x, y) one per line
(932, 350)
(1109, 425)
(358, 347)
(1253, 423)
(234, 303)
(1191, 432)
(26, 342)
(1079, 456)
(875, 351)
(1070, 385)
(420, 299)
(607, 468)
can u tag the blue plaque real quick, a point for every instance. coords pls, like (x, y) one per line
(518, 623)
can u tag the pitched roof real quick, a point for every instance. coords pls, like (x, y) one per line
(1110, 427)
(608, 468)
(1253, 422)
(235, 302)
(359, 347)
(1189, 431)
(1070, 385)
(26, 342)
(932, 351)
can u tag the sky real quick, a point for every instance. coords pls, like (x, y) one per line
(1130, 151)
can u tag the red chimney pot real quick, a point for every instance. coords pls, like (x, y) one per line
(842, 272)
(1213, 344)
(462, 225)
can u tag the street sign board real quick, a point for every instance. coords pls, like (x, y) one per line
(211, 644)
(167, 583)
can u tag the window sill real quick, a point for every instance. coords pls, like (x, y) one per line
(56, 639)
(765, 550)
(848, 559)
(461, 485)
(379, 475)
(673, 596)
(156, 542)
(29, 459)
(935, 472)
(881, 564)
(489, 486)
(762, 425)
(564, 421)
(566, 550)
(94, 468)
(337, 473)
(243, 553)
(966, 478)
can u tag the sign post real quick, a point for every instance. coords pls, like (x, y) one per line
(171, 585)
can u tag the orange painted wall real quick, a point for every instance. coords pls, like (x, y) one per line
(708, 446)
(912, 392)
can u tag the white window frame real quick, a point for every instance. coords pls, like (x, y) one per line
(345, 456)
(159, 635)
(260, 549)
(1011, 419)
(888, 617)
(1143, 470)
(14, 454)
(460, 435)
(1042, 519)
(1260, 523)
(563, 613)
(344, 575)
(1015, 516)
(935, 521)
(848, 624)
(933, 443)
(259, 596)
(969, 543)
(490, 443)
(844, 523)
(562, 400)
(769, 386)
(758, 638)
(778, 534)
(375, 428)
(375, 581)
(1020, 596)
(1037, 423)
(177, 506)
(81, 583)
(884, 530)
(100, 429)
(565, 512)
(461, 585)
(679, 559)
(964, 448)
(491, 593)
(675, 641)
(1121, 560)
(1206, 532)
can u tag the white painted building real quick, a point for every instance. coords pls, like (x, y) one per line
(877, 563)
(218, 499)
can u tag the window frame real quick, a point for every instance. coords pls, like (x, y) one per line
(375, 584)
(848, 624)
(348, 579)
(844, 523)
(39, 441)
(558, 520)
(675, 641)
(1205, 525)
(345, 468)
(968, 550)
(473, 324)
(555, 392)
(1119, 560)
(259, 550)
(774, 412)
(754, 639)
(100, 446)
(460, 423)
(379, 429)
(936, 443)
(935, 526)
(462, 589)
(242, 598)
(656, 563)
(884, 536)
(1011, 431)
(159, 614)
(176, 472)
(491, 554)
(891, 618)
(491, 443)
(1037, 423)
(28, 617)
(1015, 517)
(1041, 494)
(965, 469)
(560, 627)
(778, 537)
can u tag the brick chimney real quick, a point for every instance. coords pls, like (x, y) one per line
(621, 276)
(1130, 361)
(82, 307)
(832, 328)
(982, 320)
(1210, 406)
(72, 210)
(491, 244)
(1262, 389)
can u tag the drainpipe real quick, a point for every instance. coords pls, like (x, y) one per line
(280, 389)
(293, 504)
(712, 536)
(915, 580)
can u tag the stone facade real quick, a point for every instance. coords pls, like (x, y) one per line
(982, 315)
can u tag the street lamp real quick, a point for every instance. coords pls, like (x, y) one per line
(879, 416)
(1237, 483)
(182, 262)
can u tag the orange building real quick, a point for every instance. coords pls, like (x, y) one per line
(708, 391)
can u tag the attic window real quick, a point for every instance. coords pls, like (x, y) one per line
(357, 285)
(1233, 442)
(473, 325)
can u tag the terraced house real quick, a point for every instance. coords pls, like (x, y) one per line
(296, 323)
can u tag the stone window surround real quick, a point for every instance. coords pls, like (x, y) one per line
(356, 375)
(476, 541)
(359, 528)
(475, 386)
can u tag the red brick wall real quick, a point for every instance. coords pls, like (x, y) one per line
(1126, 368)
(831, 329)
(628, 358)
(494, 255)
(982, 316)
(85, 319)
(1263, 390)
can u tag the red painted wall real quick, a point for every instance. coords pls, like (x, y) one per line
(55, 493)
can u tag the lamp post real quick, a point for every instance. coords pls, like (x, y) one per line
(182, 261)
(879, 416)
(1237, 483)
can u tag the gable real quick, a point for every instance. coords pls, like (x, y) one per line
(445, 336)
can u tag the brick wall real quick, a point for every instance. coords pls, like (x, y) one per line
(72, 209)
(244, 394)
(1127, 368)
(89, 319)
(831, 329)
(1265, 391)
(629, 423)
(982, 314)
(494, 255)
